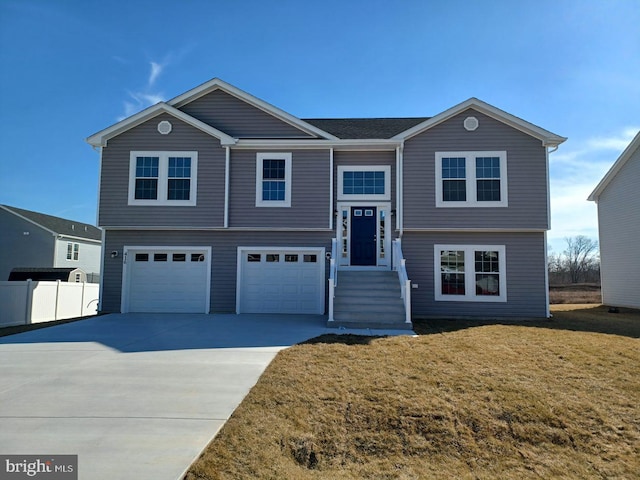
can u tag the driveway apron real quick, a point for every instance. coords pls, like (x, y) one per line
(137, 396)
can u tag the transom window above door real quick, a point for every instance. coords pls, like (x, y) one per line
(364, 182)
(163, 178)
(273, 180)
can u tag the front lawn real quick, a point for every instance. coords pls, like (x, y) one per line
(546, 399)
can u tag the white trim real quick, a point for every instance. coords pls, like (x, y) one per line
(331, 163)
(399, 187)
(227, 166)
(374, 144)
(126, 270)
(478, 230)
(470, 273)
(615, 168)
(217, 84)
(546, 276)
(381, 264)
(260, 156)
(208, 229)
(101, 138)
(241, 250)
(470, 169)
(163, 178)
(548, 138)
(102, 257)
(386, 196)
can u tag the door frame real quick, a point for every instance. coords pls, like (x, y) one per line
(343, 235)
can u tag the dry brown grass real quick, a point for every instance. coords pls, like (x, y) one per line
(575, 293)
(548, 399)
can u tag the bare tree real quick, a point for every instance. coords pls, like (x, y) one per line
(580, 256)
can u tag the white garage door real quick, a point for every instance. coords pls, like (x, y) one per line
(281, 281)
(167, 280)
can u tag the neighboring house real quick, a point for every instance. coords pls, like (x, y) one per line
(35, 240)
(216, 201)
(618, 199)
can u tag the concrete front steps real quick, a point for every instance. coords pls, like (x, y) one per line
(368, 299)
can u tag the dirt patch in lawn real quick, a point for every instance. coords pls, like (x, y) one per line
(548, 399)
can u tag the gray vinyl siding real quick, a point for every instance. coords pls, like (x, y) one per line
(351, 158)
(526, 169)
(19, 250)
(309, 192)
(237, 118)
(525, 275)
(223, 262)
(619, 226)
(114, 187)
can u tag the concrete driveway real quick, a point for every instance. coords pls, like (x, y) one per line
(136, 396)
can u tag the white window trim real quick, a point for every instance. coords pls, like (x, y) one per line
(163, 178)
(471, 179)
(364, 168)
(75, 252)
(287, 179)
(470, 274)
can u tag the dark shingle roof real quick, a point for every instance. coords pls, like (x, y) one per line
(365, 128)
(58, 225)
(40, 274)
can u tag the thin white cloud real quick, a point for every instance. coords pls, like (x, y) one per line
(146, 96)
(156, 70)
(574, 174)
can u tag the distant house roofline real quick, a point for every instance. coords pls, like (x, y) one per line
(58, 226)
(615, 168)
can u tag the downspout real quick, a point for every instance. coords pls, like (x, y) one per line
(227, 163)
(546, 246)
(103, 233)
(331, 188)
(400, 189)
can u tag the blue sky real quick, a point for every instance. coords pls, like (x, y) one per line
(71, 68)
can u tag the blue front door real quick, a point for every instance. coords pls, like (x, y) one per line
(363, 236)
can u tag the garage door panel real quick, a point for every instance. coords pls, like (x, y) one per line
(167, 281)
(288, 285)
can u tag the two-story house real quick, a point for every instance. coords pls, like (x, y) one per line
(38, 241)
(217, 201)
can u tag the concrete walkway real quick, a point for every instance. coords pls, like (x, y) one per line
(137, 396)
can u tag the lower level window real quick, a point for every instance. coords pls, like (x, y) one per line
(470, 273)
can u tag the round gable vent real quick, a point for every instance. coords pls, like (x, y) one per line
(164, 127)
(471, 123)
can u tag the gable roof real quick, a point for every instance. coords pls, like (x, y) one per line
(100, 138)
(365, 128)
(217, 84)
(57, 225)
(548, 138)
(615, 168)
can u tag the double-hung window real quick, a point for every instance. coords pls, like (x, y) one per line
(163, 178)
(73, 251)
(471, 179)
(273, 180)
(471, 273)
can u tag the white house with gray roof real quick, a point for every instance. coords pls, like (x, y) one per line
(36, 240)
(618, 199)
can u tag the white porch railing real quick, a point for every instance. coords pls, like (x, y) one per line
(405, 284)
(333, 275)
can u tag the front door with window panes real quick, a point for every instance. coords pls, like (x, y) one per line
(363, 233)
(364, 237)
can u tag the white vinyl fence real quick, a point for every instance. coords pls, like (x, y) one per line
(33, 302)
